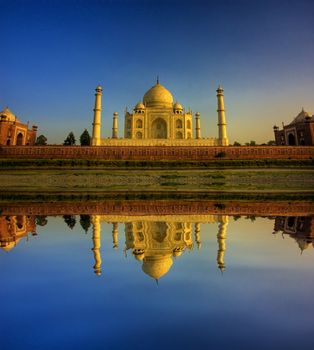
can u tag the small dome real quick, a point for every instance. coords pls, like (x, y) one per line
(158, 96)
(139, 105)
(177, 253)
(98, 88)
(157, 266)
(8, 115)
(301, 117)
(139, 257)
(177, 105)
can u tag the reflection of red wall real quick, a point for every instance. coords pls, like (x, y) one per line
(161, 207)
(158, 152)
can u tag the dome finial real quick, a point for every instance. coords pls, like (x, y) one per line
(157, 79)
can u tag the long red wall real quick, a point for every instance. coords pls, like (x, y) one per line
(156, 152)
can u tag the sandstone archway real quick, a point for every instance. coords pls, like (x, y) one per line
(291, 140)
(19, 139)
(159, 129)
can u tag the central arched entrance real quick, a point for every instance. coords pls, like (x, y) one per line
(19, 139)
(159, 129)
(291, 140)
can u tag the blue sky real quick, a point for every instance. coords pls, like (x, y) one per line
(55, 53)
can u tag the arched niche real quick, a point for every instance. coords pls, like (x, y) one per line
(159, 129)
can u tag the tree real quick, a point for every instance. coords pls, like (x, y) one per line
(85, 138)
(85, 222)
(251, 143)
(70, 140)
(41, 140)
(41, 220)
(236, 143)
(70, 220)
(271, 143)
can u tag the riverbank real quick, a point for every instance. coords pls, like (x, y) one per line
(198, 181)
(27, 163)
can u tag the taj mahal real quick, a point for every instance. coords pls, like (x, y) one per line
(159, 121)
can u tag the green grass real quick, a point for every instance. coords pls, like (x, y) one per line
(178, 164)
(11, 197)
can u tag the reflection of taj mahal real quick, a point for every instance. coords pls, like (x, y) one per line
(157, 240)
(158, 120)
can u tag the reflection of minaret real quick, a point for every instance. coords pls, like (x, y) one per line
(96, 244)
(197, 233)
(115, 240)
(221, 240)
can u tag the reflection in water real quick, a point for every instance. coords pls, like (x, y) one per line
(153, 240)
(13, 228)
(299, 228)
(155, 243)
(83, 302)
(96, 244)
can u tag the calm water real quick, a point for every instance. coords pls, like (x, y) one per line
(172, 282)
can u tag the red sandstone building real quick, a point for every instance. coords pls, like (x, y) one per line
(14, 132)
(301, 228)
(300, 132)
(13, 228)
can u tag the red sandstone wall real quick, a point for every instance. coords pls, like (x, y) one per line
(156, 152)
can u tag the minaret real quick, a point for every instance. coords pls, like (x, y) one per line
(115, 235)
(222, 126)
(97, 117)
(96, 244)
(197, 125)
(197, 233)
(115, 126)
(221, 240)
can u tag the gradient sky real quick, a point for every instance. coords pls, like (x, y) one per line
(54, 53)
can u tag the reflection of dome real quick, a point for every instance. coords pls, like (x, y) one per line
(139, 106)
(177, 253)
(7, 246)
(158, 96)
(302, 243)
(8, 115)
(157, 266)
(139, 254)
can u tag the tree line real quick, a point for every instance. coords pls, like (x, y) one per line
(85, 140)
(70, 140)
